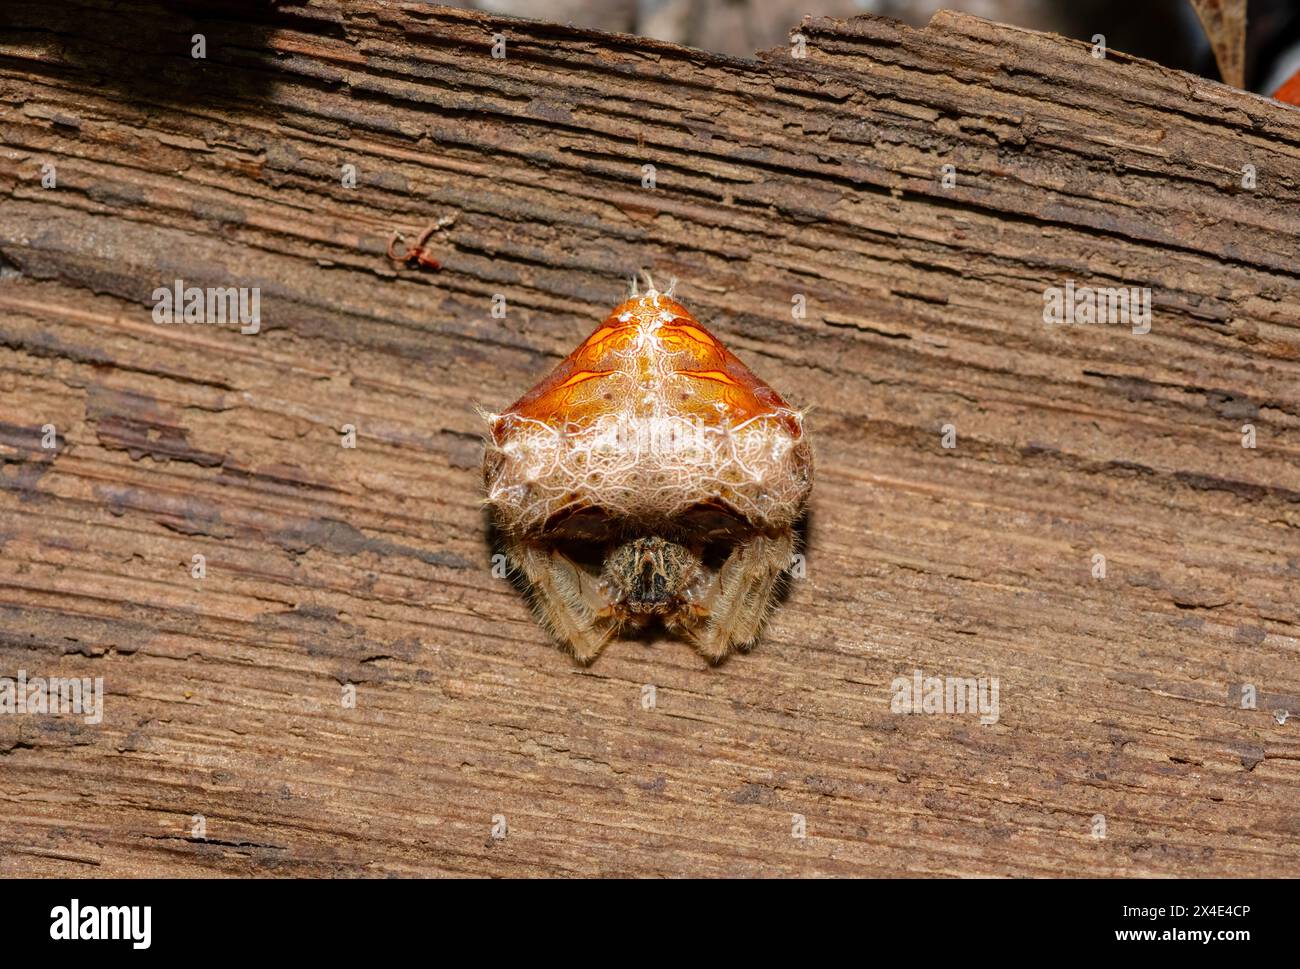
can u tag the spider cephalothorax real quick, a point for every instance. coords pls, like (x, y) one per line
(649, 576)
(650, 477)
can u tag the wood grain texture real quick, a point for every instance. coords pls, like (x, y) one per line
(775, 176)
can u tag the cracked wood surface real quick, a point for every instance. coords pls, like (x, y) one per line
(776, 176)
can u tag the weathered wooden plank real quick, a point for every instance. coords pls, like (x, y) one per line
(819, 176)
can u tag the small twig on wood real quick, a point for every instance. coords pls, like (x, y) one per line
(418, 254)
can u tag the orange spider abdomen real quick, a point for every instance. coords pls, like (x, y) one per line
(650, 415)
(605, 369)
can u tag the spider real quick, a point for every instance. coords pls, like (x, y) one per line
(651, 478)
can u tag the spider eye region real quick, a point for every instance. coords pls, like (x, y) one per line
(649, 574)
